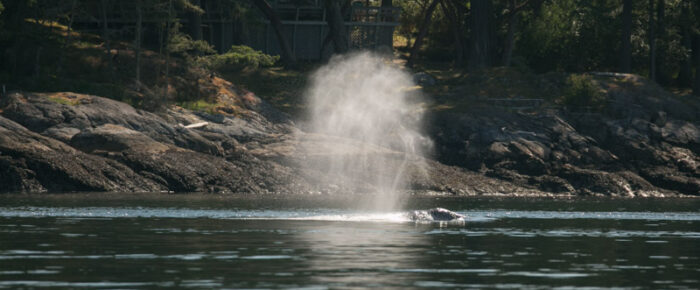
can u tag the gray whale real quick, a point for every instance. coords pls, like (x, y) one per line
(435, 214)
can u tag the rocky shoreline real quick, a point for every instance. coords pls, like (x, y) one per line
(66, 142)
(644, 142)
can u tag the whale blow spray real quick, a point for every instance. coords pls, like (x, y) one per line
(369, 104)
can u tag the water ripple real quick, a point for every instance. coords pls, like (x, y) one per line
(324, 214)
(512, 232)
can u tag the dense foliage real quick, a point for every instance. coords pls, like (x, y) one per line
(135, 51)
(582, 92)
(566, 35)
(101, 46)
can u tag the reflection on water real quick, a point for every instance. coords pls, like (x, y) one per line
(52, 242)
(325, 214)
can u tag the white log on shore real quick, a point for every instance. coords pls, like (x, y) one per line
(195, 125)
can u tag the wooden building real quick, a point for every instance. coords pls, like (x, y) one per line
(227, 23)
(305, 26)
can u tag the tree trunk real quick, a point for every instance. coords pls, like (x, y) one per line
(537, 7)
(222, 31)
(456, 30)
(326, 51)
(105, 36)
(195, 21)
(696, 63)
(336, 26)
(167, 45)
(421, 33)
(479, 55)
(137, 43)
(685, 73)
(460, 12)
(14, 23)
(240, 31)
(510, 40)
(652, 42)
(626, 44)
(387, 14)
(288, 56)
(662, 76)
(67, 41)
(37, 61)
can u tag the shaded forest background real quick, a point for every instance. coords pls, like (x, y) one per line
(161, 59)
(656, 38)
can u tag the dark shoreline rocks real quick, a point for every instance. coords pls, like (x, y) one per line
(640, 144)
(105, 145)
(98, 144)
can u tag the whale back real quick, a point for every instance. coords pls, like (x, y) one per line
(441, 214)
(435, 214)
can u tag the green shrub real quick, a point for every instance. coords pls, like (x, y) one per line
(63, 101)
(199, 105)
(239, 57)
(583, 91)
(185, 46)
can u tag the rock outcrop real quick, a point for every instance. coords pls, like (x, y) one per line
(66, 142)
(98, 144)
(30, 162)
(638, 145)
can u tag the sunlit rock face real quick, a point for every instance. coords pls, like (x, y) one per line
(367, 104)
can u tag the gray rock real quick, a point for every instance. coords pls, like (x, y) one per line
(180, 169)
(668, 177)
(30, 162)
(103, 145)
(580, 154)
(123, 149)
(681, 132)
(38, 113)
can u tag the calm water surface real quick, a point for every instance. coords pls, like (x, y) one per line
(204, 241)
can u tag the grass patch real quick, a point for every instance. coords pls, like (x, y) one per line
(283, 88)
(67, 98)
(214, 108)
(200, 106)
(64, 101)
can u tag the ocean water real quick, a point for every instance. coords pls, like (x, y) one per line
(133, 241)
